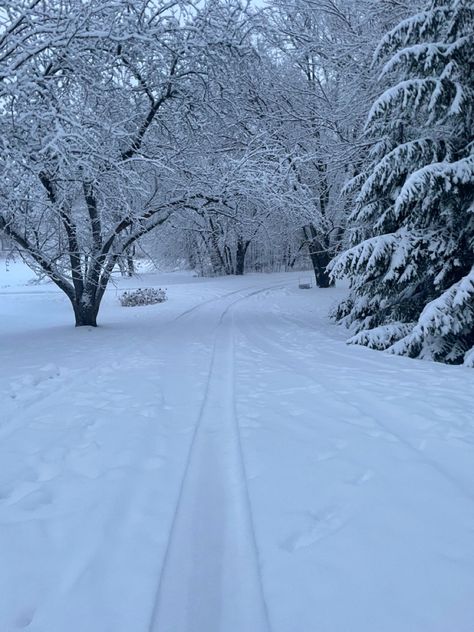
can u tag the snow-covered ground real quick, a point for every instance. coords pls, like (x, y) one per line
(223, 462)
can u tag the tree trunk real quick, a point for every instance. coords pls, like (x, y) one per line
(320, 257)
(130, 265)
(229, 266)
(86, 313)
(240, 253)
(320, 262)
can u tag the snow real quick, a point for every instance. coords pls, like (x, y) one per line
(383, 336)
(224, 462)
(422, 181)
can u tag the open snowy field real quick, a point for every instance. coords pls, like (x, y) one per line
(223, 462)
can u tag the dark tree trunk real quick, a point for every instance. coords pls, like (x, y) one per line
(320, 262)
(86, 313)
(320, 257)
(130, 265)
(130, 252)
(229, 266)
(240, 253)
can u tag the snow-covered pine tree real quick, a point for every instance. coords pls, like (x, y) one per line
(411, 264)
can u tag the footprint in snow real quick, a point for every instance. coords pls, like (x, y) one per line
(383, 434)
(6, 492)
(149, 412)
(153, 463)
(26, 478)
(325, 455)
(32, 380)
(320, 525)
(85, 460)
(459, 438)
(48, 470)
(250, 421)
(24, 618)
(54, 454)
(364, 477)
(35, 500)
(29, 474)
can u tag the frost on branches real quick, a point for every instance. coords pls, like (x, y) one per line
(412, 255)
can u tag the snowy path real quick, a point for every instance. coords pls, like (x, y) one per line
(211, 579)
(225, 463)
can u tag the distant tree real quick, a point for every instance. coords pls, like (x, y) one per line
(233, 150)
(411, 263)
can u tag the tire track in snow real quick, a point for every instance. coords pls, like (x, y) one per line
(210, 581)
(132, 494)
(130, 499)
(210, 300)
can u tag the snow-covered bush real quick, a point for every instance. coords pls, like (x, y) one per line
(412, 255)
(143, 296)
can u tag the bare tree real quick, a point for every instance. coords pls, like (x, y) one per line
(90, 94)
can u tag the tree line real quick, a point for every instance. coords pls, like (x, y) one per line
(342, 129)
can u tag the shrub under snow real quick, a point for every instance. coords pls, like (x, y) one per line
(143, 296)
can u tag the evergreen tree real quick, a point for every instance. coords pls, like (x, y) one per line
(411, 264)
